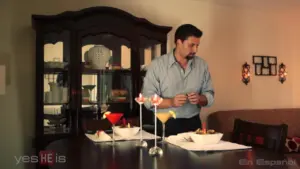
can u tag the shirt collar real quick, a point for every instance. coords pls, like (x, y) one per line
(172, 59)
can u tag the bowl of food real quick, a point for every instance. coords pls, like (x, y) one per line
(126, 131)
(205, 137)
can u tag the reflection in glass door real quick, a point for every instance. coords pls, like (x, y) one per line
(106, 77)
(56, 84)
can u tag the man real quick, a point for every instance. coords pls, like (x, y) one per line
(183, 81)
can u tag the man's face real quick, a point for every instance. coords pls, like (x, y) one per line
(188, 48)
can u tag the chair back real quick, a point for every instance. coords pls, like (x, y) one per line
(266, 136)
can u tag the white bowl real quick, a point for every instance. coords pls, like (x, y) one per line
(126, 132)
(205, 139)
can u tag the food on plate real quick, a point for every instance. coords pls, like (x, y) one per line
(199, 131)
(98, 133)
(126, 126)
(205, 137)
(101, 135)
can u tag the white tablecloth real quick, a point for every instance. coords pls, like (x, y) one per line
(146, 136)
(187, 144)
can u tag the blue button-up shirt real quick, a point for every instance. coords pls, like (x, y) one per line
(166, 78)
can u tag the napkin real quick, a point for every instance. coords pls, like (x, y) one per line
(105, 137)
(101, 138)
(182, 141)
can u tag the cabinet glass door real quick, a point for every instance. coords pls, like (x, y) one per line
(149, 50)
(106, 75)
(56, 83)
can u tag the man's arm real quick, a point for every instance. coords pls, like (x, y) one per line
(151, 87)
(207, 95)
(166, 103)
(202, 100)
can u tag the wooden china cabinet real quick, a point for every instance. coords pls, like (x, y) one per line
(69, 89)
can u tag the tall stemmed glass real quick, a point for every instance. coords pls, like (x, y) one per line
(113, 118)
(163, 117)
(89, 88)
(155, 100)
(140, 100)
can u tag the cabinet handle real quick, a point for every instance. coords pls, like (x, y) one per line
(77, 122)
(74, 92)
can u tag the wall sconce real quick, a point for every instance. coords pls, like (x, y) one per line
(282, 72)
(246, 73)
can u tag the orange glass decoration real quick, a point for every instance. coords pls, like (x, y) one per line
(246, 73)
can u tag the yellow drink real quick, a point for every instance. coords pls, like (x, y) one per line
(163, 116)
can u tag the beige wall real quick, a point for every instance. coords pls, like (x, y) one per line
(232, 34)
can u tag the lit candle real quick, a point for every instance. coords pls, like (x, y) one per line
(204, 127)
(140, 99)
(155, 98)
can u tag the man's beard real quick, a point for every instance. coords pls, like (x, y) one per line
(190, 56)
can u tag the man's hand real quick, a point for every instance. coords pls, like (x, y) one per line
(179, 100)
(193, 97)
(196, 98)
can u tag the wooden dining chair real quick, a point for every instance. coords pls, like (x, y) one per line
(266, 136)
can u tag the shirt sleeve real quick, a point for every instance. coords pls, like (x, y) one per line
(207, 88)
(150, 84)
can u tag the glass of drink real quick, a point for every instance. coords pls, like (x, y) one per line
(163, 117)
(113, 118)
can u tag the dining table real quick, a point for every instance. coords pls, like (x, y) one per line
(82, 153)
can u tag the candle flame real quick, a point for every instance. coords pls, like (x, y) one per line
(140, 99)
(204, 127)
(155, 97)
(156, 100)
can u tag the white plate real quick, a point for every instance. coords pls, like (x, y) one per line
(126, 132)
(205, 139)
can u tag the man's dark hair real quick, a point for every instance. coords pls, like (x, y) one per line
(187, 30)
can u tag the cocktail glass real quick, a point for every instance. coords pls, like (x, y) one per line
(155, 151)
(113, 118)
(89, 88)
(163, 117)
(140, 100)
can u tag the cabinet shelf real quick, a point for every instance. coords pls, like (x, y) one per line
(118, 102)
(104, 71)
(54, 70)
(54, 104)
(89, 104)
(109, 102)
(56, 132)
